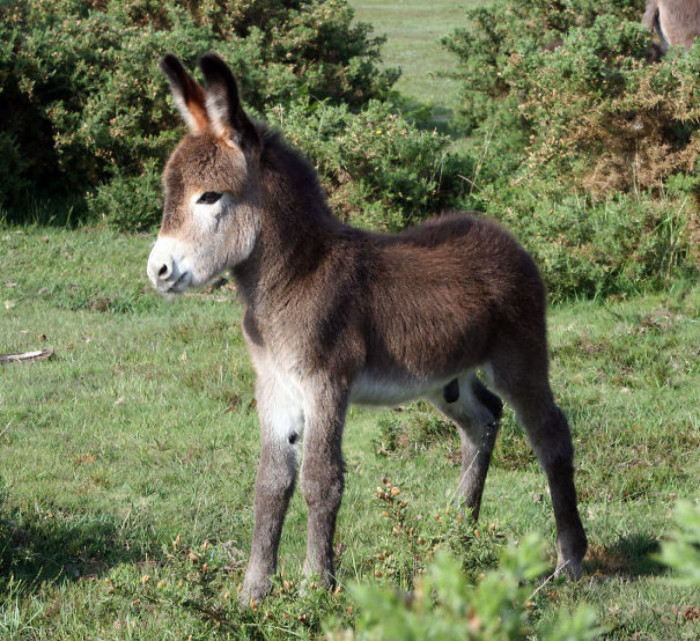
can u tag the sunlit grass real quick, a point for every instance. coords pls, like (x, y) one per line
(128, 459)
(413, 30)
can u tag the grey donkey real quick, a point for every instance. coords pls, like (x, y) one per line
(335, 315)
(675, 22)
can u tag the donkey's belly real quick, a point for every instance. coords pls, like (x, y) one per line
(372, 389)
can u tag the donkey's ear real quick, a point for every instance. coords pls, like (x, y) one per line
(188, 94)
(224, 108)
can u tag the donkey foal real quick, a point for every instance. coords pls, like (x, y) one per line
(337, 315)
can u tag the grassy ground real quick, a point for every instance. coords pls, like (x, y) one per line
(128, 460)
(414, 30)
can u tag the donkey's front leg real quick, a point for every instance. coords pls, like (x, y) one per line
(322, 479)
(281, 422)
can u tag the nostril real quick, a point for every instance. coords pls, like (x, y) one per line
(164, 263)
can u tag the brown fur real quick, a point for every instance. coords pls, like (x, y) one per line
(335, 314)
(675, 22)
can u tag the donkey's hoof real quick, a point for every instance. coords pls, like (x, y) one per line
(573, 570)
(254, 590)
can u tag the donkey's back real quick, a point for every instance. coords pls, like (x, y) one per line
(443, 298)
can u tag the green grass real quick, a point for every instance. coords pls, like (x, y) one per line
(128, 460)
(414, 30)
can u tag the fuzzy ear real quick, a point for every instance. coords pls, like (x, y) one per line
(226, 115)
(188, 93)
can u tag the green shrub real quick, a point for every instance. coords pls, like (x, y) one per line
(380, 171)
(682, 551)
(130, 202)
(585, 248)
(446, 606)
(581, 150)
(84, 104)
(496, 30)
(597, 111)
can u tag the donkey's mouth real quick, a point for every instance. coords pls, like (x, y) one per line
(181, 284)
(177, 286)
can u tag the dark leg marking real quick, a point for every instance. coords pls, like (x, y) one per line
(487, 398)
(451, 391)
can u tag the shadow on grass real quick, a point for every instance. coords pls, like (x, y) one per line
(45, 209)
(630, 556)
(429, 116)
(40, 547)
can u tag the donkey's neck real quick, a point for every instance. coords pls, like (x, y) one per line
(284, 254)
(297, 231)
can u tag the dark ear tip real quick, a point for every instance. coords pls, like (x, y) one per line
(211, 64)
(171, 66)
(211, 58)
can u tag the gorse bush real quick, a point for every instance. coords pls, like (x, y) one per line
(588, 249)
(379, 170)
(496, 30)
(446, 606)
(85, 108)
(586, 150)
(596, 108)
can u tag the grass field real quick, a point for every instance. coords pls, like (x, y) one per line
(414, 30)
(128, 459)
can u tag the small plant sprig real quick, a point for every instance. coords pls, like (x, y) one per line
(446, 606)
(682, 551)
(203, 581)
(414, 541)
(405, 560)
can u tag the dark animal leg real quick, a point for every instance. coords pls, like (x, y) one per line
(523, 381)
(476, 411)
(322, 484)
(550, 437)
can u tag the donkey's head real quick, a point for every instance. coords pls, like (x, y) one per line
(210, 219)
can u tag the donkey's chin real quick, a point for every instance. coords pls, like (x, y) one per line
(174, 286)
(183, 282)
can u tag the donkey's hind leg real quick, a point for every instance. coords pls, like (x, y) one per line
(522, 378)
(476, 411)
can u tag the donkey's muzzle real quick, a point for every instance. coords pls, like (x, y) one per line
(165, 271)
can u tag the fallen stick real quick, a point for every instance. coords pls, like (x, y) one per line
(38, 355)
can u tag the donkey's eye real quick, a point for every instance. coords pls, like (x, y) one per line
(209, 197)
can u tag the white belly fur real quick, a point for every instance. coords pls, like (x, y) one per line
(381, 391)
